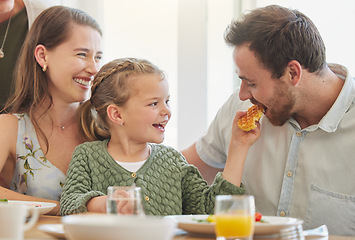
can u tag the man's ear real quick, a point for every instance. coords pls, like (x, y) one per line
(114, 114)
(294, 69)
(41, 55)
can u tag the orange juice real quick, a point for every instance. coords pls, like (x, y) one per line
(234, 225)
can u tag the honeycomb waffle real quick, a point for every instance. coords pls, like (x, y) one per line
(247, 121)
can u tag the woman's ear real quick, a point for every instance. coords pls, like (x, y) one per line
(294, 69)
(114, 114)
(41, 55)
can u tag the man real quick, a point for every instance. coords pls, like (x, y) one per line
(303, 163)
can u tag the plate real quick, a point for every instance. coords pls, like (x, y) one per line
(272, 224)
(43, 207)
(56, 230)
(96, 226)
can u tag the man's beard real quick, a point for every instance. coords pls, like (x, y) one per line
(280, 106)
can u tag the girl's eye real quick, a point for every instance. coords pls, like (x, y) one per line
(167, 102)
(153, 104)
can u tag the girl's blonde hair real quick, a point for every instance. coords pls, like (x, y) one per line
(110, 86)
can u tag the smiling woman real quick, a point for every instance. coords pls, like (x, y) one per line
(60, 56)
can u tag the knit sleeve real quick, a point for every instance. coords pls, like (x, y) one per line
(198, 197)
(77, 187)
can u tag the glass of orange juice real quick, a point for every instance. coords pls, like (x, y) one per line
(234, 217)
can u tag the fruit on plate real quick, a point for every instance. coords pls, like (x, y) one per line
(258, 217)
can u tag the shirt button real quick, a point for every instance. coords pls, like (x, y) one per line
(282, 214)
(134, 174)
(289, 174)
(146, 198)
(299, 134)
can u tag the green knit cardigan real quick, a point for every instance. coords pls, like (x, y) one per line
(169, 185)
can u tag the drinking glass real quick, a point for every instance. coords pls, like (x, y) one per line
(124, 200)
(234, 217)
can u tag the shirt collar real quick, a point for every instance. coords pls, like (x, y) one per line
(331, 120)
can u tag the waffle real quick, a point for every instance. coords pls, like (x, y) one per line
(247, 121)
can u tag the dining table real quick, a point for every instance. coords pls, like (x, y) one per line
(36, 233)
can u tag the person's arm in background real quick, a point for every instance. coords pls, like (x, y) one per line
(207, 172)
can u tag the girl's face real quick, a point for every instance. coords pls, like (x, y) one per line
(72, 65)
(147, 111)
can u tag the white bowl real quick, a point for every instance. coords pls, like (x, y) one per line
(107, 227)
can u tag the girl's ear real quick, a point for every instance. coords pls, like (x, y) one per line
(114, 114)
(294, 69)
(41, 55)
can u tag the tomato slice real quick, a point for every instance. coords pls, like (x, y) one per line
(258, 217)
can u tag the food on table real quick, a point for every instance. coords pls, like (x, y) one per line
(212, 218)
(35, 205)
(247, 121)
(258, 217)
(3, 200)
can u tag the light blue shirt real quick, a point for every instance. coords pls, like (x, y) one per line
(307, 174)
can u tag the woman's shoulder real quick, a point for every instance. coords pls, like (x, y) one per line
(8, 123)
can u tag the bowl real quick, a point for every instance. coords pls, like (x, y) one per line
(118, 227)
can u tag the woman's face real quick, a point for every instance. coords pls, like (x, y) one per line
(71, 66)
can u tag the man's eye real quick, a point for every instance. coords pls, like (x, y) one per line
(82, 54)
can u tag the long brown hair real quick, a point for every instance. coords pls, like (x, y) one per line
(51, 28)
(278, 35)
(111, 85)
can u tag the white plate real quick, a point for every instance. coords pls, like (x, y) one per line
(273, 224)
(56, 230)
(43, 207)
(117, 227)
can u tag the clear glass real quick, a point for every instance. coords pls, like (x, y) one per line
(124, 200)
(234, 217)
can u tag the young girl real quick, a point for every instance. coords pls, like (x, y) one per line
(128, 111)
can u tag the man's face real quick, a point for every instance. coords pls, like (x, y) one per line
(261, 88)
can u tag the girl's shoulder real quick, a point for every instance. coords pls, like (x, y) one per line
(163, 148)
(167, 152)
(93, 144)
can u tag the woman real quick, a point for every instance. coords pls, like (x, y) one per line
(60, 56)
